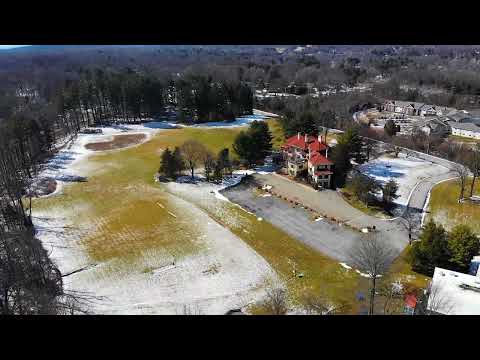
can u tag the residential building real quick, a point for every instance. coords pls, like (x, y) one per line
(454, 293)
(433, 126)
(414, 108)
(465, 129)
(308, 155)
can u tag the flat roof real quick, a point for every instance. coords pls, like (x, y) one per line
(454, 293)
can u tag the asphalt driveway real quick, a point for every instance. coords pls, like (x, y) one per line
(327, 237)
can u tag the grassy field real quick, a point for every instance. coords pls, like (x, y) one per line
(462, 139)
(445, 209)
(119, 202)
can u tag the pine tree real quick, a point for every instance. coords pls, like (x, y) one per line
(431, 250)
(463, 245)
(389, 191)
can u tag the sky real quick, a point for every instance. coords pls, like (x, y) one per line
(10, 46)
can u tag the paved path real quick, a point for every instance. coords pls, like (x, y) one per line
(419, 194)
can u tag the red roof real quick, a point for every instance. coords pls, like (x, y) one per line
(299, 142)
(411, 301)
(318, 159)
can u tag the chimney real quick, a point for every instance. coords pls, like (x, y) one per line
(298, 136)
(306, 137)
(320, 138)
(326, 153)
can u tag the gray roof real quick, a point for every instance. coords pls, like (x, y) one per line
(434, 122)
(464, 126)
(408, 103)
(459, 115)
(474, 112)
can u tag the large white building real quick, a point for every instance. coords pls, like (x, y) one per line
(454, 293)
(465, 129)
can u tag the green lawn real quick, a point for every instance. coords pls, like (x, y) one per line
(445, 209)
(463, 139)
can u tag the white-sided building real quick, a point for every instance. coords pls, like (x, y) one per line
(465, 129)
(454, 293)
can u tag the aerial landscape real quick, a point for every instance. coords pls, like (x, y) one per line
(240, 180)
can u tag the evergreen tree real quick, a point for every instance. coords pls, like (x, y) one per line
(245, 148)
(389, 191)
(261, 138)
(431, 250)
(463, 245)
(254, 144)
(167, 165)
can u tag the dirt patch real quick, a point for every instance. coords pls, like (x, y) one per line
(118, 142)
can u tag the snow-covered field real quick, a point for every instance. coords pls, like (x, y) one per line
(406, 171)
(66, 165)
(224, 274)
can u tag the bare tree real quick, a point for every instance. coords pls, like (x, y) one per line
(474, 165)
(462, 173)
(373, 255)
(392, 295)
(409, 221)
(318, 305)
(276, 299)
(435, 301)
(193, 152)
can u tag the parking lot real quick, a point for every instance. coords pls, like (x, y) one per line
(331, 238)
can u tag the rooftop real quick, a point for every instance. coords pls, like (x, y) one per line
(318, 159)
(304, 142)
(455, 293)
(464, 126)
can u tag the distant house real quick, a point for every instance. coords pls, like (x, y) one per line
(428, 110)
(454, 293)
(465, 129)
(308, 155)
(413, 108)
(433, 126)
(400, 107)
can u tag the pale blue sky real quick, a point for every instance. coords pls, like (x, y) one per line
(10, 46)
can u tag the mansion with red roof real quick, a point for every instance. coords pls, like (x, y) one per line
(308, 155)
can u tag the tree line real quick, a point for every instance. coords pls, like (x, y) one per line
(30, 283)
(251, 147)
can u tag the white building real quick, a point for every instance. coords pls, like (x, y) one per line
(454, 293)
(465, 129)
